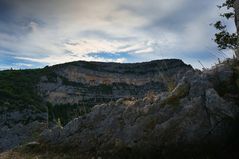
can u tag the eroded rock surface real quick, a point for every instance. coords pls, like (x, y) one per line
(18, 127)
(97, 82)
(159, 112)
(186, 121)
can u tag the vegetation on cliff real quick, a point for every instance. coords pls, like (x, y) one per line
(18, 89)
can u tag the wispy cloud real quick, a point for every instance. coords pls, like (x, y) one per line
(51, 32)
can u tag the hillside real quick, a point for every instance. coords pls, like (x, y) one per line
(162, 108)
(63, 92)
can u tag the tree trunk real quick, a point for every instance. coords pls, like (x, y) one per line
(236, 7)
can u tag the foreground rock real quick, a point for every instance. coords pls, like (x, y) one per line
(191, 121)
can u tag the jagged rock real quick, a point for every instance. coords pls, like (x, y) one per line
(18, 127)
(191, 118)
(225, 73)
(218, 107)
(19, 134)
(11, 118)
(199, 117)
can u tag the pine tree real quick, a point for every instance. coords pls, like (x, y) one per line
(223, 38)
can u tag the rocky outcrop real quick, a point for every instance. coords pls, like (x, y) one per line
(19, 134)
(81, 83)
(192, 121)
(18, 127)
(236, 8)
(95, 82)
(11, 118)
(183, 113)
(95, 73)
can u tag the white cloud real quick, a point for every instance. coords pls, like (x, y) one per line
(53, 59)
(23, 64)
(52, 31)
(145, 50)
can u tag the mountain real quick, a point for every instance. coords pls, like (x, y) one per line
(96, 82)
(157, 109)
(63, 92)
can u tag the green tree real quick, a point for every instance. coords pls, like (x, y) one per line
(223, 38)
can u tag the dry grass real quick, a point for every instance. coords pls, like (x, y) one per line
(16, 155)
(22, 154)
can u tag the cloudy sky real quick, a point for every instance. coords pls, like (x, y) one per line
(35, 33)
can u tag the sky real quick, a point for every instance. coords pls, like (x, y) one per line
(36, 33)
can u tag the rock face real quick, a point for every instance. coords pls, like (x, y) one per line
(191, 121)
(19, 134)
(159, 109)
(86, 83)
(96, 82)
(18, 127)
(236, 8)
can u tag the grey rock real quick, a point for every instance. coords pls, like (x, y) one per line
(218, 107)
(18, 134)
(95, 82)
(198, 117)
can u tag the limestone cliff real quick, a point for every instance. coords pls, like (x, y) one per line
(197, 119)
(159, 109)
(96, 82)
(24, 94)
